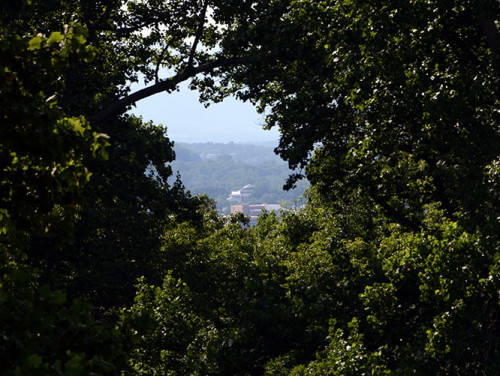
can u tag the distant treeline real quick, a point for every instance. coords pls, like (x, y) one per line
(216, 169)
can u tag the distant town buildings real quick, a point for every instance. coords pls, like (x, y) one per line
(253, 211)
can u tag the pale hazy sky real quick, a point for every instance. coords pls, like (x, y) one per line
(187, 120)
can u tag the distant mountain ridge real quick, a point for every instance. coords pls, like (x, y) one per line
(248, 153)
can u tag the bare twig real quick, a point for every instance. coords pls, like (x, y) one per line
(197, 37)
(158, 63)
(160, 59)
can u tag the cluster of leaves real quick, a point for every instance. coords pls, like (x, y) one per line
(42, 150)
(42, 333)
(63, 220)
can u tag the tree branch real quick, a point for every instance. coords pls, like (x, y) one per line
(160, 58)
(166, 85)
(199, 31)
(399, 217)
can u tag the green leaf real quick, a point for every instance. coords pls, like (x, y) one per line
(78, 127)
(35, 43)
(55, 37)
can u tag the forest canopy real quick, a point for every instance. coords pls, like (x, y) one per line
(390, 110)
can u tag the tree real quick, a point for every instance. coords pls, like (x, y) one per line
(399, 99)
(42, 167)
(222, 308)
(395, 107)
(320, 293)
(124, 207)
(42, 150)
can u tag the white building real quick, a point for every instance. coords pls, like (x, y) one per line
(241, 195)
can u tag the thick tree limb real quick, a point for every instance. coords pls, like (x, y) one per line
(166, 85)
(396, 215)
